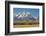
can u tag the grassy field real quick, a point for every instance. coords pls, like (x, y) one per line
(25, 26)
(26, 23)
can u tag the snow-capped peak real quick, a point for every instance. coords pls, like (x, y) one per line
(24, 14)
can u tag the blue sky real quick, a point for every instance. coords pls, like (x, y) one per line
(34, 12)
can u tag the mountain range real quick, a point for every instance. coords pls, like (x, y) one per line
(24, 16)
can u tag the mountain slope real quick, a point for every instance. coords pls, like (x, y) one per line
(24, 16)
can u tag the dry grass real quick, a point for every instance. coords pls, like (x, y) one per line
(24, 26)
(21, 24)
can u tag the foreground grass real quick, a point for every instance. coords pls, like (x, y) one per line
(25, 23)
(25, 26)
